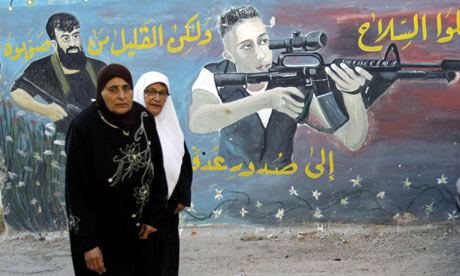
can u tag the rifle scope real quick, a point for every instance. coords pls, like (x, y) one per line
(310, 42)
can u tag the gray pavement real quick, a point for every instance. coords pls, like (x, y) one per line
(328, 249)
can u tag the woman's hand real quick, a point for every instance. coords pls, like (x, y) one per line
(179, 208)
(94, 260)
(146, 230)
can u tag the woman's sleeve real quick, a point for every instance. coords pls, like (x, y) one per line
(80, 197)
(183, 191)
(156, 206)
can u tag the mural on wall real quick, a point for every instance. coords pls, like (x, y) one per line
(66, 80)
(294, 111)
(257, 122)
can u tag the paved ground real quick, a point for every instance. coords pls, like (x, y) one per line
(233, 250)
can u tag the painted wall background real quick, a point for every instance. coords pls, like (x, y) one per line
(408, 164)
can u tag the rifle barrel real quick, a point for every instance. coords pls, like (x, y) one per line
(445, 65)
(222, 79)
(43, 93)
(415, 74)
(376, 65)
(422, 65)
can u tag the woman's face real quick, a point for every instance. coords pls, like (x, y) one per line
(118, 96)
(155, 96)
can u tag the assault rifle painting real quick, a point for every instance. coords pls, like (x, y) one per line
(301, 67)
(71, 109)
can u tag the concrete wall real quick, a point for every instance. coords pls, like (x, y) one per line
(406, 167)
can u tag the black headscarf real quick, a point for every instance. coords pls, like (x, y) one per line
(124, 121)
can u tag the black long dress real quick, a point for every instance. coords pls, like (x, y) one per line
(115, 182)
(169, 230)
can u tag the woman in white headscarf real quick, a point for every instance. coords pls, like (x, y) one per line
(152, 91)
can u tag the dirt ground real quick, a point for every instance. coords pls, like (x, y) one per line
(330, 249)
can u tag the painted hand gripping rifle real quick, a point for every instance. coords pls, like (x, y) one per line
(299, 66)
(71, 109)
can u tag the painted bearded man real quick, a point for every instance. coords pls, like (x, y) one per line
(66, 80)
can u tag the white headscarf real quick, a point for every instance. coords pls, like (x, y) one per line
(168, 128)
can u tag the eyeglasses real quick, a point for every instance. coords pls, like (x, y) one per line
(152, 93)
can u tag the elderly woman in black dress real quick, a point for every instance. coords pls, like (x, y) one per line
(152, 91)
(116, 189)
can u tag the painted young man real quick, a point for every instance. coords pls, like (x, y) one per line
(68, 76)
(257, 121)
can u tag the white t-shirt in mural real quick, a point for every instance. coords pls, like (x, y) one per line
(206, 81)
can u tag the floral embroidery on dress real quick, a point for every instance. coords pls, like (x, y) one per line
(142, 194)
(73, 223)
(133, 159)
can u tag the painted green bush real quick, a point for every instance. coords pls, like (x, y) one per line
(33, 193)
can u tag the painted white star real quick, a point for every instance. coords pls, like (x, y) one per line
(280, 214)
(292, 191)
(243, 212)
(218, 194)
(356, 182)
(429, 208)
(452, 216)
(407, 183)
(217, 213)
(316, 194)
(317, 213)
(344, 201)
(442, 180)
(191, 208)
